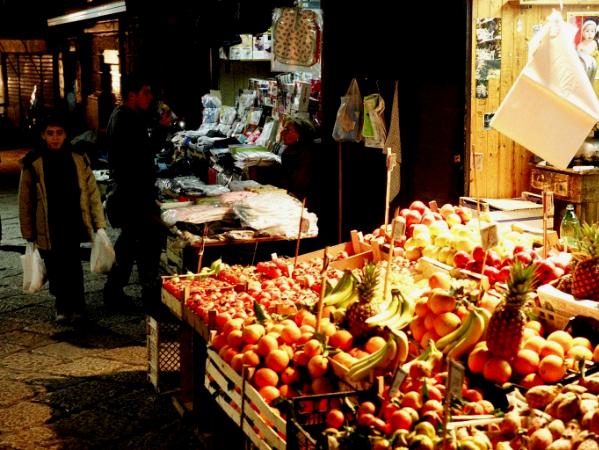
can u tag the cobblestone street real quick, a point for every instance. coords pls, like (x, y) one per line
(67, 389)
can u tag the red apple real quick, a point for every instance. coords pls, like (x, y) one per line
(524, 257)
(478, 254)
(491, 273)
(413, 217)
(493, 259)
(474, 266)
(461, 259)
(504, 274)
(417, 205)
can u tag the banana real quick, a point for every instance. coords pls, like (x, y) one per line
(342, 291)
(364, 366)
(390, 354)
(393, 308)
(348, 301)
(469, 338)
(450, 338)
(402, 347)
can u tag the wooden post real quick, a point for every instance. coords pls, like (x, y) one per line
(390, 258)
(323, 288)
(340, 193)
(390, 166)
(547, 205)
(299, 235)
(202, 247)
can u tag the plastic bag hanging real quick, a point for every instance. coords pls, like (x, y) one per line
(34, 269)
(348, 124)
(102, 255)
(373, 127)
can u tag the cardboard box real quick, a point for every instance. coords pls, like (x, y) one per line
(556, 308)
(510, 210)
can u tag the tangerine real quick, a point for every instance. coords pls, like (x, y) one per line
(265, 377)
(583, 342)
(552, 368)
(563, 338)
(526, 362)
(277, 360)
(577, 352)
(269, 393)
(266, 344)
(477, 359)
(342, 339)
(374, 344)
(552, 348)
(534, 343)
(497, 370)
(335, 418)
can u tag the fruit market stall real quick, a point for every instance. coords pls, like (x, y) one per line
(443, 341)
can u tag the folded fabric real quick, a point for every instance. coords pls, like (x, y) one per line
(551, 108)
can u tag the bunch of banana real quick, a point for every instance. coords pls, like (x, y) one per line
(394, 352)
(344, 292)
(395, 314)
(464, 338)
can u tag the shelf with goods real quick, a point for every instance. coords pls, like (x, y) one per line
(453, 313)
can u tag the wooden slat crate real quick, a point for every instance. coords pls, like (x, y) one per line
(244, 405)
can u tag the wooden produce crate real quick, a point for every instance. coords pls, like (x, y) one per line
(428, 266)
(244, 405)
(510, 210)
(174, 304)
(355, 260)
(556, 308)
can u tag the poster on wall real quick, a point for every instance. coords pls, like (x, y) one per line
(586, 38)
(488, 53)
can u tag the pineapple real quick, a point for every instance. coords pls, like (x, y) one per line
(365, 307)
(585, 271)
(506, 327)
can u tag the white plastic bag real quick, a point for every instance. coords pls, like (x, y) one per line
(102, 255)
(34, 269)
(348, 125)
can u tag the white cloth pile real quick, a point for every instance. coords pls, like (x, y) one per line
(276, 214)
(196, 214)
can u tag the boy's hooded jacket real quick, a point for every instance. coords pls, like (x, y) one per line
(33, 209)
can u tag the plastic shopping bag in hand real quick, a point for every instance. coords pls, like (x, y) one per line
(102, 255)
(34, 269)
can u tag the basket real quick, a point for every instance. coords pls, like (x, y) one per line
(307, 418)
(163, 349)
(556, 308)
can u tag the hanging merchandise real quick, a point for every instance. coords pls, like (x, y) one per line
(373, 127)
(348, 125)
(296, 40)
(393, 145)
(551, 108)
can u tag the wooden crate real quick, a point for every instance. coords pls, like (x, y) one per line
(355, 260)
(174, 304)
(244, 405)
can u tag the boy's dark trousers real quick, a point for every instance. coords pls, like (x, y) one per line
(65, 274)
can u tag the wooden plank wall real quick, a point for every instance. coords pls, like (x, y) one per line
(505, 164)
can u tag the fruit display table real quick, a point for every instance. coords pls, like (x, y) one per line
(394, 350)
(569, 186)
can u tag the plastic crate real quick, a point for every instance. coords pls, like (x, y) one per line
(307, 417)
(164, 356)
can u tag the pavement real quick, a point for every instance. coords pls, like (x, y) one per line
(62, 388)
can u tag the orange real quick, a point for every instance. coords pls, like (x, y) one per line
(429, 321)
(219, 341)
(421, 308)
(579, 352)
(497, 370)
(269, 393)
(237, 362)
(477, 359)
(582, 341)
(313, 347)
(535, 325)
(335, 418)
(596, 354)
(251, 358)
(412, 400)
(235, 338)
(307, 329)
(427, 336)
(366, 408)
(552, 348)
(373, 344)
(305, 337)
(266, 344)
(535, 343)
(318, 366)
(265, 377)
(440, 302)
(445, 323)
(401, 420)
(552, 368)
(417, 328)
(287, 391)
(562, 338)
(277, 360)
(300, 358)
(532, 380)
(526, 362)
(345, 359)
(232, 324)
(290, 375)
(342, 339)
(527, 333)
(252, 333)
(291, 333)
